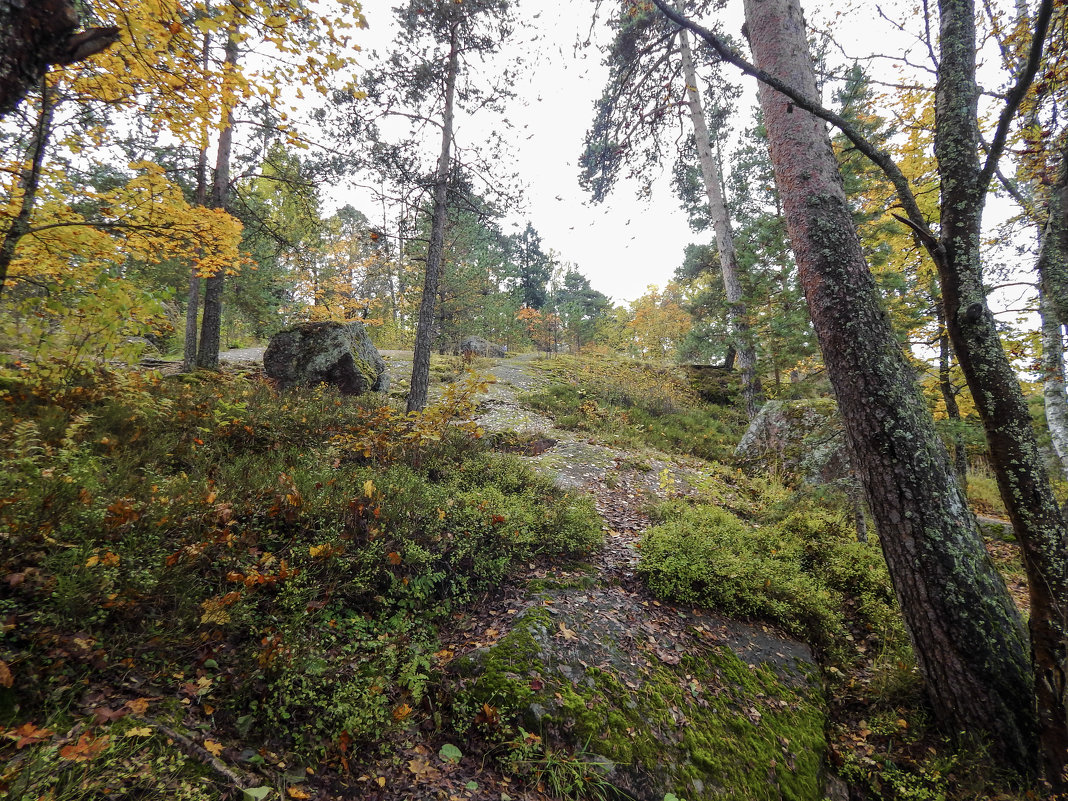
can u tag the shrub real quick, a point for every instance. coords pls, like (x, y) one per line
(796, 574)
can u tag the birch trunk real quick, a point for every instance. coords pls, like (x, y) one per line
(29, 182)
(717, 207)
(1053, 389)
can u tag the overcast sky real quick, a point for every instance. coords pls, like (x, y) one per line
(623, 244)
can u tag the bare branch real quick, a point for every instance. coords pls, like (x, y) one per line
(1016, 95)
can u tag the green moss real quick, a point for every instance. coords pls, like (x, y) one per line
(710, 726)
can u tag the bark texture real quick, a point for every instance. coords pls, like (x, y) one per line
(211, 323)
(1053, 390)
(969, 640)
(29, 182)
(34, 34)
(1018, 465)
(420, 384)
(717, 208)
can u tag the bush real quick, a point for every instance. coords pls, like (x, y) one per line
(797, 574)
(304, 547)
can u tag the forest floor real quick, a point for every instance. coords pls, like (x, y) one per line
(591, 604)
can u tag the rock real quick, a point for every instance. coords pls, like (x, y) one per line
(711, 708)
(478, 346)
(799, 441)
(329, 352)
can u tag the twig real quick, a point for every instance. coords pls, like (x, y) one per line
(197, 751)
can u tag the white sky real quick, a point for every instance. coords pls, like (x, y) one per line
(621, 245)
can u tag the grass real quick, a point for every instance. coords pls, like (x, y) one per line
(633, 405)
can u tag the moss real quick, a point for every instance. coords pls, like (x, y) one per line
(709, 727)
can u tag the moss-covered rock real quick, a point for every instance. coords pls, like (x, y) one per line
(800, 441)
(327, 352)
(656, 700)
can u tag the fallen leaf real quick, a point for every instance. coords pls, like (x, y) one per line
(87, 748)
(28, 734)
(138, 706)
(6, 679)
(213, 747)
(567, 633)
(139, 731)
(296, 792)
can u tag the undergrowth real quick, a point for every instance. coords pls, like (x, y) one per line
(201, 553)
(632, 405)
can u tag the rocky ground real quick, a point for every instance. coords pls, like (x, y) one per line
(655, 698)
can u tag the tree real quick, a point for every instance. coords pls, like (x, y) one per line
(581, 307)
(34, 36)
(969, 640)
(427, 79)
(648, 84)
(658, 322)
(532, 265)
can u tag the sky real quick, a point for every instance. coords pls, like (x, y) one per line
(622, 245)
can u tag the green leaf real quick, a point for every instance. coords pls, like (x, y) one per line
(211, 663)
(256, 793)
(450, 753)
(471, 785)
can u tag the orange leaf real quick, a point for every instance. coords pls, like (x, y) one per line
(87, 748)
(28, 734)
(6, 679)
(401, 712)
(394, 558)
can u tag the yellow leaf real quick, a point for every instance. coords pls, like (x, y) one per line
(140, 731)
(317, 550)
(213, 747)
(381, 781)
(369, 488)
(296, 792)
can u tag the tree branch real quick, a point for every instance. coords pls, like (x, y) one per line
(880, 158)
(1016, 95)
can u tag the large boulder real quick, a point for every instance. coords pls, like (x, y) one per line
(802, 442)
(482, 347)
(326, 353)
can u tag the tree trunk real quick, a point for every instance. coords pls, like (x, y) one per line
(1018, 466)
(420, 385)
(189, 354)
(717, 207)
(969, 640)
(37, 34)
(211, 324)
(949, 394)
(1053, 287)
(29, 182)
(1053, 390)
